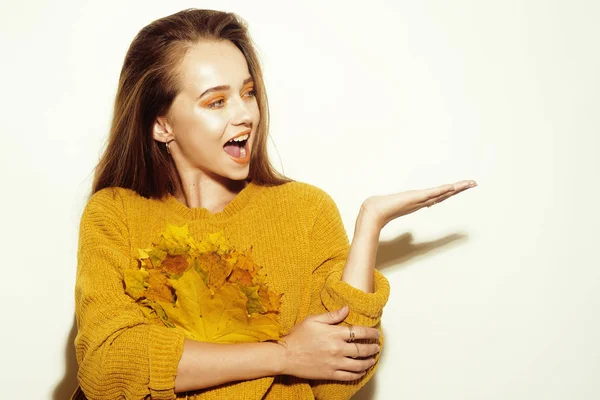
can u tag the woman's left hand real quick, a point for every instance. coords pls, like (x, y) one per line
(386, 208)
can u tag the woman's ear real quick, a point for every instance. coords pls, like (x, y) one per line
(161, 130)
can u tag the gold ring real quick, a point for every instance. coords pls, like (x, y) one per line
(356, 350)
(351, 334)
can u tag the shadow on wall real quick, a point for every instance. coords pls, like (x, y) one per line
(67, 385)
(401, 249)
(389, 254)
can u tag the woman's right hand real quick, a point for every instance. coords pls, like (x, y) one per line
(317, 348)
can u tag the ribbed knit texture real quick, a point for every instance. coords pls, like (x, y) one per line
(296, 234)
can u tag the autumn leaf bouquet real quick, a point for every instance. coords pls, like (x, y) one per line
(207, 288)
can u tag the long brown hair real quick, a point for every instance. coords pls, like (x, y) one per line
(148, 84)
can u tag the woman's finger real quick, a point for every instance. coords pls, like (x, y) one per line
(347, 376)
(355, 365)
(358, 332)
(361, 350)
(431, 193)
(437, 200)
(460, 187)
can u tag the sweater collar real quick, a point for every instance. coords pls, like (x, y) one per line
(234, 207)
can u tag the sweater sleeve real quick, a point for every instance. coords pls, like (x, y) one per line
(119, 352)
(330, 247)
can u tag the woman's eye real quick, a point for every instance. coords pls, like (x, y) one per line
(216, 103)
(219, 103)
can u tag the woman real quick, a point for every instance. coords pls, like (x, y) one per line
(188, 146)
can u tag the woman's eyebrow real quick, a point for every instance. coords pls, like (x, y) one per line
(223, 87)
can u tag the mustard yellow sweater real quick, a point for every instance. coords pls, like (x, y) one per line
(296, 234)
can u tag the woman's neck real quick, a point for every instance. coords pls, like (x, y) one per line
(214, 195)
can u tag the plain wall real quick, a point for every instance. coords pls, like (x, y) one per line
(495, 293)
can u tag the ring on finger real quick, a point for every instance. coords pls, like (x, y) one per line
(350, 328)
(356, 351)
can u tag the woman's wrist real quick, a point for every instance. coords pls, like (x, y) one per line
(278, 356)
(369, 218)
(205, 364)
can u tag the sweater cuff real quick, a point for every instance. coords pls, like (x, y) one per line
(365, 308)
(166, 348)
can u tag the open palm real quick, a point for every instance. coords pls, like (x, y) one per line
(385, 208)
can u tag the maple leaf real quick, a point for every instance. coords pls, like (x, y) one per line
(159, 286)
(176, 264)
(135, 282)
(207, 289)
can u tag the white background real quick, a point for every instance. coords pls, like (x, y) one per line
(495, 293)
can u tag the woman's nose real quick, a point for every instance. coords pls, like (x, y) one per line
(241, 111)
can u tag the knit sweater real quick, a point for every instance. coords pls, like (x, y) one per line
(296, 234)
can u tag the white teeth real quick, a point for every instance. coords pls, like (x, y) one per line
(242, 152)
(240, 138)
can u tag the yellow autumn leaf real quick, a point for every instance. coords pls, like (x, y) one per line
(254, 302)
(159, 287)
(135, 282)
(176, 239)
(186, 312)
(176, 264)
(207, 289)
(227, 320)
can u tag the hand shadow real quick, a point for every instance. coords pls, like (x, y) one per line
(391, 254)
(67, 385)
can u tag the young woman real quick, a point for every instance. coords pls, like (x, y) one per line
(188, 146)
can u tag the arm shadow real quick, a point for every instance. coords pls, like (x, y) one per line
(67, 385)
(402, 248)
(389, 255)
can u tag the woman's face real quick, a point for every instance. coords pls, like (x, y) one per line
(216, 104)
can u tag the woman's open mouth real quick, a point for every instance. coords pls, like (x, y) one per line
(238, 148)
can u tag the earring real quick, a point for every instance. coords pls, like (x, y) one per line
(167, 144)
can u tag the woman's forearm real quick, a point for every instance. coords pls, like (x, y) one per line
(360, 264)
(206, 364)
